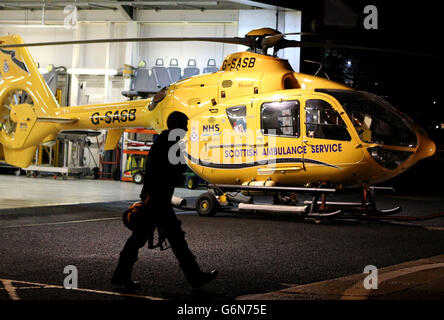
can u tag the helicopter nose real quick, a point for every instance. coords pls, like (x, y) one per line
(426, 148)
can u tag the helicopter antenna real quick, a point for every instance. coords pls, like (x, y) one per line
(315, 62)
(319, 69)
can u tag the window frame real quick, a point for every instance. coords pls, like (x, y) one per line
(343, 126)
(338, 95)
(229, 119)
(298, 120)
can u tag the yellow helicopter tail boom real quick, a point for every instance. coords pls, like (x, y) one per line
(30, 115)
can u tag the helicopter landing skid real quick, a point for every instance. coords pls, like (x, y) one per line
(355, 207)
(367, 206)
(218, 199)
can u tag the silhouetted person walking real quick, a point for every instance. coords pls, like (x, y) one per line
(161, 176)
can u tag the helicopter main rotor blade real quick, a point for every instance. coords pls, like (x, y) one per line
(247, 41)
(297, 44)
(235, 40)
(268, 41)
(271, 40)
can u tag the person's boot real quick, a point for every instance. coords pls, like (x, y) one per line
(121, 279)
(202, 278)
(125, 284)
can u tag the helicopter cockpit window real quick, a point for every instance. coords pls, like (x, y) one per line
(238, 118)
(280, 118)
(375, 120)
(324, 122)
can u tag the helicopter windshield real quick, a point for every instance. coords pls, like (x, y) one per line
(375, 120)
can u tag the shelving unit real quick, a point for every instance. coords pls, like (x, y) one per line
(134, 150)
(47, 158)
(113, 163)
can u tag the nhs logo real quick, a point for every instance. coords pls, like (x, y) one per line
(211, 128)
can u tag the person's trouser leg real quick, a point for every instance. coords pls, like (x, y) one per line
(128, 257)
(176, 239)
(187, 261)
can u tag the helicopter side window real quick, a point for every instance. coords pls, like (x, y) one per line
(324, 122)
(238, 118)
(280, 118)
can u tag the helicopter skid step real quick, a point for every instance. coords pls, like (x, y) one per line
(270, 208)
(280, 209)
(335, 203)
(387, 212)
(324, 215)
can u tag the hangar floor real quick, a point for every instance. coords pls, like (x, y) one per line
(47, 224)
(21, 191)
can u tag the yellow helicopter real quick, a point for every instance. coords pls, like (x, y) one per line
(255, 125)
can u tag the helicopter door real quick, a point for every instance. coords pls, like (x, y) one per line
(325, 135)
(224, 142)
(280, 127)
(237, 139)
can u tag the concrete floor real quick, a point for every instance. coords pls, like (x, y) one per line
(265, 257)
(25, 192)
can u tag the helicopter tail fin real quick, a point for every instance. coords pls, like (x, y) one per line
(27, 106)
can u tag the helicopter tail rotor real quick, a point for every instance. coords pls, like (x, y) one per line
(26, 105)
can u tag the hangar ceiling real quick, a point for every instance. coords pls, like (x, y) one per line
(129, 6)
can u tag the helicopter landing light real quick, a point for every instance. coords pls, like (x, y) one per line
(282, 170)
(272, 208)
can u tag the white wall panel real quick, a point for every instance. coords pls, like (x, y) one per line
(92, 55)
(118, 50)
(58, 56)
(292, 23)
(201, 51)
(58, 16)
(187, 15)
(255, 19)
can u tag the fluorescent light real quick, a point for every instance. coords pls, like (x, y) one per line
(13, 25)
(89, 71)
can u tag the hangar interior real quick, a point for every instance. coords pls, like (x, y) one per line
(218, 19)
(98, 73)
